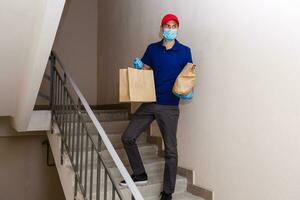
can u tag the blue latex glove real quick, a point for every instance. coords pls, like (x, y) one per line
(137, 63)
(188, 96)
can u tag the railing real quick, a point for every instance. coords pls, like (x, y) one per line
(71, 112)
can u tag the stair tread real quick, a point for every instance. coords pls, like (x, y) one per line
(140, 146)
(157, 179)
(151, 160)
(178, 196)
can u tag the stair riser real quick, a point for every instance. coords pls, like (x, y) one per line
(109, 127)
(147, 190)
(109, 116)
(152, 170)
(145, 151)
(101, 115)
(115, 139)
(117, 126)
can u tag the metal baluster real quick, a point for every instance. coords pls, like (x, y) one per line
(105, 184)
(65, 123)
(77, 148)
(62, 104)
(52, 93)
(86, 161)
(69, 130)
(52, 66)
(98, 188)
(81, 150)
(113, 191)
(62, 125)
(56, 94)
(74, 131)
(91, 175)
(59, 103)
(65, 104)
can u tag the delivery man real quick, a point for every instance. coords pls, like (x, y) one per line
(166, 58)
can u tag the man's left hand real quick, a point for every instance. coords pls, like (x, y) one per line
(188, 96)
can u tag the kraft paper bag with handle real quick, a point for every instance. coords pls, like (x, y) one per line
(123, 86)
(136, 85)
(185, 80)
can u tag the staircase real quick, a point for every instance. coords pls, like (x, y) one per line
(114, 123)
(88, 145)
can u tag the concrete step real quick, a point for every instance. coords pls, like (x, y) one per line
(115, 139)
(110, 127)
(102, 115)
(177, 196)
(114, 123)
(154, 166)
(109, 115)
(151, 189)
(146, 150)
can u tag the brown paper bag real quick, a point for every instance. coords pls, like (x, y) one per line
(185, 80)
(136, 85)
(123, 86)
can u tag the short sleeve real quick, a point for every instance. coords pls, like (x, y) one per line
(189, 58)
(146, 59)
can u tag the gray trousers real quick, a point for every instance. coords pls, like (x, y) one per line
(167, 119)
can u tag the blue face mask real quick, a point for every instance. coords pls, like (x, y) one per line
(170, 34)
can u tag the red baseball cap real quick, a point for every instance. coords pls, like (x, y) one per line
(169, 17)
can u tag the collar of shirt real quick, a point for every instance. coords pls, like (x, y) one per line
(175, 47)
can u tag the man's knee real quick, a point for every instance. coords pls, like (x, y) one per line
(126, 140)
(171, 153)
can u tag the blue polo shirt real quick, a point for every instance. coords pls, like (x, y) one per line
(166, 66)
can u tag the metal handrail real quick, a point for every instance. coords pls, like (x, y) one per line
(64, 110)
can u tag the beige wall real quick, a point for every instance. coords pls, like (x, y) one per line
(76, 45)
(24, 173)
(240, 133)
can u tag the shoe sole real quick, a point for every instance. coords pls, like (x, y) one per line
(138, 183)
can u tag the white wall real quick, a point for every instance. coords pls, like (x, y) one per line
(19, 24)
(27, 35)
(240, 133)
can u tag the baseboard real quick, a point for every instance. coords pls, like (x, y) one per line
(187, 173)
(191, 187)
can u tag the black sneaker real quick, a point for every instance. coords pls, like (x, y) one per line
(165, 196)
(141, 179)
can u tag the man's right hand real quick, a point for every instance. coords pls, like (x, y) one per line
(137, 63)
